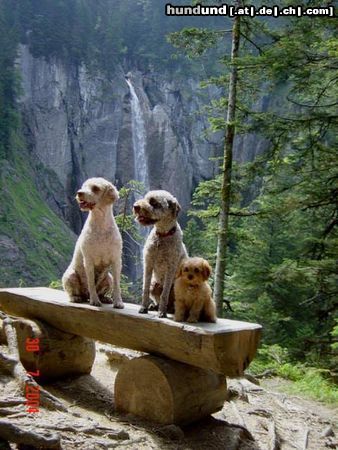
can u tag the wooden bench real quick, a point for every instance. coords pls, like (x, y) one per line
(183, 378)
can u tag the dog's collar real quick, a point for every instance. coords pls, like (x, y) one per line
(167, 234)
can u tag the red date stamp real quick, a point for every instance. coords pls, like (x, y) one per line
(32, 345)
(32, 391)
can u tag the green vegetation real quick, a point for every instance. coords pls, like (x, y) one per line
(307, 381)
(9, 118)
(35, 241)
(42, 244)
(282, 240)
(312, 383)
(103, 33)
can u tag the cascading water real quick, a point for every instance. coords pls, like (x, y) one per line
(139, 139)
(140, 160)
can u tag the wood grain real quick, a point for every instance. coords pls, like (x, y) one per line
(60, 354)
(226, 347)
(167, 391)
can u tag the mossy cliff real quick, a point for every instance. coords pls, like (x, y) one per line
(35, 244)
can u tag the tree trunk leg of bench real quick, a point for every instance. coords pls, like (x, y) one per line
(55, 354)
(165, 391)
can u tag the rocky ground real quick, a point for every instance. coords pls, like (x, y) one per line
(256, 417)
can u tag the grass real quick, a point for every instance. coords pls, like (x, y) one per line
(312, 384)
(309, 382)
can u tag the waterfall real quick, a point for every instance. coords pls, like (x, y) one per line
(140, 163)
(139, 139)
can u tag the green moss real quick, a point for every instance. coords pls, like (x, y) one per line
(43, 243)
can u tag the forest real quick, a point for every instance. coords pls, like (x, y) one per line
(283, 208)
(281, 262)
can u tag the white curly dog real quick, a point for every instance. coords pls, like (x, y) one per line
(97, 250)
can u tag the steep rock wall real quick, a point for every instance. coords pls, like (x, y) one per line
(79, 125)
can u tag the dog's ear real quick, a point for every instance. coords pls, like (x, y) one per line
(111, 194)
(206, 269)
(174, 206)
(179, 270)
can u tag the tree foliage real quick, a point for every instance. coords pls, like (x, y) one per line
(99, 33)
(9, 86)
(283, 216)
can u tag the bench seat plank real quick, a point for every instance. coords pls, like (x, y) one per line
(226, 347)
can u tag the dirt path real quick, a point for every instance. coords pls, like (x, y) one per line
(255, 418)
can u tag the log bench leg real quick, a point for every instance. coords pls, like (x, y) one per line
(168, 392)
(55, 354)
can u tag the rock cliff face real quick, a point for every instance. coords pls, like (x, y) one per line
(80, 125)
(149, 127)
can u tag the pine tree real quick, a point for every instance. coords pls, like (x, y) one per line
(282, 238)
(223, 228)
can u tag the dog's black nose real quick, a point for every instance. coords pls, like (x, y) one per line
(190, 277)
(137, 208)
(80, 194)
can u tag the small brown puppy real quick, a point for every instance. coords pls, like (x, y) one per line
(193, 295)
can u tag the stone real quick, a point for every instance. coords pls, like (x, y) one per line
(172, 432)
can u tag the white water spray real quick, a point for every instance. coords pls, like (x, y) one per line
(139, 139)
(140, 160)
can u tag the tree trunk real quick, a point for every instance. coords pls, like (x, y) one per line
(221, 258)
(166, 391)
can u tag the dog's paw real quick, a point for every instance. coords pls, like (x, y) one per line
(143, 310)
(76, 299)
(106, 300)
(162, 314)
(153, 306)
(95, 302)
(179, 319)
(192, 320)
(118, 304)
